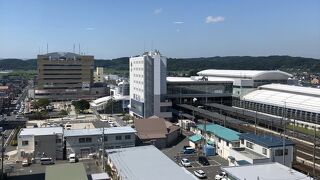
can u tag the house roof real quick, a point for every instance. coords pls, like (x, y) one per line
(265, 140)
(195, 138)
(220, 131)
(263, 171)
(146, 162)
(70, 171)
(41, 131)
(98, 131)
(153, 128)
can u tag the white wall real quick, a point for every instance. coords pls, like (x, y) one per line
(28, 148)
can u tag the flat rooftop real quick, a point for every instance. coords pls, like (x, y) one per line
(248, 153)
(41, 131)
(98, 131)
(70, 171)
(146, 162)
(198, 79)
(266, 140)
(263, 171)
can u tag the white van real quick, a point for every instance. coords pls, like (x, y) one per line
(46, 161)
(72, 158)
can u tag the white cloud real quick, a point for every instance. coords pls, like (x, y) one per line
(178, 22)
(157, 11)
(90, 28)
(214, 19)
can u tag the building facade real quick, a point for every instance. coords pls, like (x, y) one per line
(64, 76)
(148, 86)
(82, 142)
(99, 75)
(40, 142)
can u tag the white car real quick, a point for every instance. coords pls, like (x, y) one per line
(221, 176)
(72, 158)
(199, 173)
(185, 162)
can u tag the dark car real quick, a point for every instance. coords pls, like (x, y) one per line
(204, 161)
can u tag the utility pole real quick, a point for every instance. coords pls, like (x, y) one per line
(103, 149)
(255, 123)
(2, 152)
(314, 148)
(284, 133)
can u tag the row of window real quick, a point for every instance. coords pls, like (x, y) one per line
(138, 75)
(26, 143)
(89, 139)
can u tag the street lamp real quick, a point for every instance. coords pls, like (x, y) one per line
(193, 100)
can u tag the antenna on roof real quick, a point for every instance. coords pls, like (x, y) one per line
(47, 48)
(74, 47)
(79, 48)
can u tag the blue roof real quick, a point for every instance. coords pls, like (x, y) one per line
(221, 132)
(242, 162)
(195, 138)
(265, 140)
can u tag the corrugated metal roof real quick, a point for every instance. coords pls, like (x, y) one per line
(264, 171)
(265, 140)
(41, 131)
(220, 131)
(195, 138)
(146, 162)
(288, 99)
(98, 131)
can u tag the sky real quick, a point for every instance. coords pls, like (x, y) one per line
(178, 28)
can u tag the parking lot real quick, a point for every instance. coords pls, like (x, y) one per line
(211, 170)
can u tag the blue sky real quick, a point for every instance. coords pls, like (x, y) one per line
(189, 28)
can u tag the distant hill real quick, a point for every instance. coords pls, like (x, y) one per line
(286, 63)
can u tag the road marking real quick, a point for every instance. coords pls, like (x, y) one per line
(218, 164)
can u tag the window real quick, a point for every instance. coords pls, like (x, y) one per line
(58, 141)
(25, 143)
(105, 138)
(127, 137)
(249, 145)
(227, 143)
(219, 140)
(36, 143)
(88, 140)
(279, 152)
(82, 140)
(264, 151)
(242, 141)
(118, 137)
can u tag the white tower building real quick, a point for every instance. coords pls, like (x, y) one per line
(148, 86)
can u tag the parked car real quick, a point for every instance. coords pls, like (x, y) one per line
(188, 150)
(221, 176)
(200, 174)
(185, 162)
(72, 158)
(25, 162)
(46, 161)
(203, 160)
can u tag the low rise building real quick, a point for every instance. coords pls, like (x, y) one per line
(82, 142)
(262, 148)
(145, 162)
(156, 131)
(224, 139)
(39, 142)
(263, 171)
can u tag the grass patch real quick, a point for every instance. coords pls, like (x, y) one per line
(303, 130)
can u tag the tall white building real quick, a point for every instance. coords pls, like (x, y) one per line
(148, 86)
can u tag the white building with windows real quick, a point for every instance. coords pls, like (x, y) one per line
(148, 86)
(223, 139)
(256, 149)
(82, 142)
(39, 142)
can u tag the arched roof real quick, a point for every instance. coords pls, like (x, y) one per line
(286, 95)
(246, 74)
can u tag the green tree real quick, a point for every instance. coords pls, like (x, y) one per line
(63, 112)
(81, 105)
(43, 102)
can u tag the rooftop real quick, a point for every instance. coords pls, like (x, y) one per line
(70, 171)
(265, 140)
(195, 138)
(264, 171)
(248, 153)
(220, 131)
(105, 99)
(198, 79)
(246, 74)
(98, 131)
(41, 131)
(293, 97)
(153, 164)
